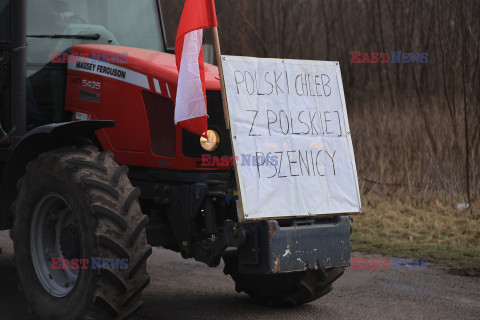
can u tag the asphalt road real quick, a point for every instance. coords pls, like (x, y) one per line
(185, 289)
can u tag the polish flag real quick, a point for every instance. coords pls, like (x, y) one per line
(191, 100)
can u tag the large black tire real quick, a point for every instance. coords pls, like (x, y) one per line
(104, 206)
(284, 289)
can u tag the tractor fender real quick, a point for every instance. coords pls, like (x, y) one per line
(36, 142)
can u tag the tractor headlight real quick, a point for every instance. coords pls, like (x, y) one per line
(212, 142)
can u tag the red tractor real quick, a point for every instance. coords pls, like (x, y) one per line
(94, 172)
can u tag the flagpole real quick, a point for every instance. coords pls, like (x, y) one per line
(240, 211)
(222, 80)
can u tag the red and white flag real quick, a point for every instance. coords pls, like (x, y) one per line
(191, 100)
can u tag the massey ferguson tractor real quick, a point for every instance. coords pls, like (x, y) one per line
(93, 167)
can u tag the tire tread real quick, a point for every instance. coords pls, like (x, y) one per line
(119, 226)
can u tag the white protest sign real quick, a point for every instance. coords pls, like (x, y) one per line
(291, 137)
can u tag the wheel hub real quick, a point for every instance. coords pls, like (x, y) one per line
(69, 242)
(54, 235)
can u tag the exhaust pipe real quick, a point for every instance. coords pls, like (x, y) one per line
(19, 69)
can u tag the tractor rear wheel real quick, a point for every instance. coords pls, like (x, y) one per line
(285, 289)
(73, 204)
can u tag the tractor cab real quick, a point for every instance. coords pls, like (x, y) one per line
(55, 26)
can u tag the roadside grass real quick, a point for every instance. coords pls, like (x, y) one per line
(435, 231)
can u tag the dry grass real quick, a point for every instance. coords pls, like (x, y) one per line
(410, 193)
(435, 230)
(395, 156)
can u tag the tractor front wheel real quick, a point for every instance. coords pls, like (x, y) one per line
(79, 239)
